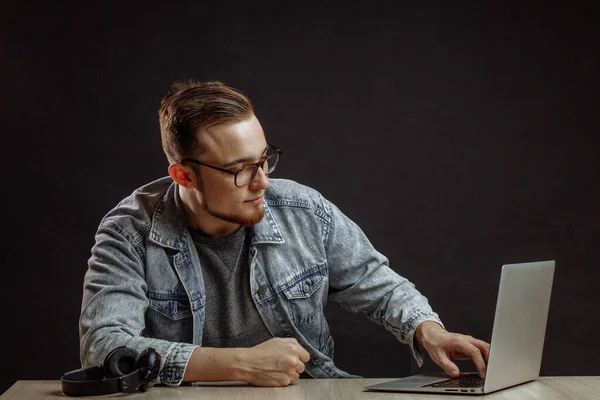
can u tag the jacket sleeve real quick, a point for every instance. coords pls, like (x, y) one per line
(361, 280)
(114, 307)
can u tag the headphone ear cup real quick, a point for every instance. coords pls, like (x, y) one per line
(149, 360)
(120, 362)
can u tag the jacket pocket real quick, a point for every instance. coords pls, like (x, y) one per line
(304, 293)
(175, 306)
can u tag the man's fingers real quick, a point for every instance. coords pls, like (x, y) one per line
(303, 354)
(295, 377)
(300, 368)
(299, 350)
(473, 351)
(447, 365)
(484, 347)
(448, 346)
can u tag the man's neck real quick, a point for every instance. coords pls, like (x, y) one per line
(199, 220)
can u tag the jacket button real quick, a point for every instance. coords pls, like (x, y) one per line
(262, 290)
(306, 288)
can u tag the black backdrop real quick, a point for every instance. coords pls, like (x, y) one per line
(459, 137)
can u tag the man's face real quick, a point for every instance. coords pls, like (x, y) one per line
(232, 146)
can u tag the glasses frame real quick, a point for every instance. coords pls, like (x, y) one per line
(235, 172)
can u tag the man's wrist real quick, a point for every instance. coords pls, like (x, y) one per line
(238, 369)
(424, 331)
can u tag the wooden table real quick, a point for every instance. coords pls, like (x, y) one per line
(546, 388)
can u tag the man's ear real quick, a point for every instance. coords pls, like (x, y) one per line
(182, 174)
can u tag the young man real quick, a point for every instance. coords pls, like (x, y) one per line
(226, 272)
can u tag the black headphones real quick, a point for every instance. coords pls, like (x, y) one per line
(123, 371)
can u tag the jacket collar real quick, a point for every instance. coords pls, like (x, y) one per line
(267, 230)
(168, 221)
(169, 225)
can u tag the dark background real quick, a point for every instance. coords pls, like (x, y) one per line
(459, 136)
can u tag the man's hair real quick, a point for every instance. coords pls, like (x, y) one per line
(191, 106)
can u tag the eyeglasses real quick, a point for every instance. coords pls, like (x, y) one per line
(246, 174)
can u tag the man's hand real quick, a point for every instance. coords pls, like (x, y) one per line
(444, 346)
(276, 362)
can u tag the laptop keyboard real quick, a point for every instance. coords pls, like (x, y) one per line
(473, 380)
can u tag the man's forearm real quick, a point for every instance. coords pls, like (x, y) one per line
(276, 362)
(211, 364)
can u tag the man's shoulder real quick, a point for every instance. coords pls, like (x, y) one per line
(137, 209)
(288, 192)
(284, 194)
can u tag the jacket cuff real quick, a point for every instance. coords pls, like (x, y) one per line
(177, 360)
(417, 351)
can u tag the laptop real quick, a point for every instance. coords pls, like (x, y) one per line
(517, 337)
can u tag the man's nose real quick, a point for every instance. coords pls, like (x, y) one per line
(260, 181)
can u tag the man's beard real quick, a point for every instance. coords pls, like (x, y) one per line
(245, 220)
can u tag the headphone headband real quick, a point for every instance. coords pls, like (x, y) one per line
(95, 381)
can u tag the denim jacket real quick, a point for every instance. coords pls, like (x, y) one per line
(144, 286)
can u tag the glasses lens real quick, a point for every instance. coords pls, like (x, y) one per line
(245, 175)
(271, 163)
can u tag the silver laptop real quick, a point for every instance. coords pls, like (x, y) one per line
(517, 337)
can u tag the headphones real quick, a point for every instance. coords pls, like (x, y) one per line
(123, 371)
